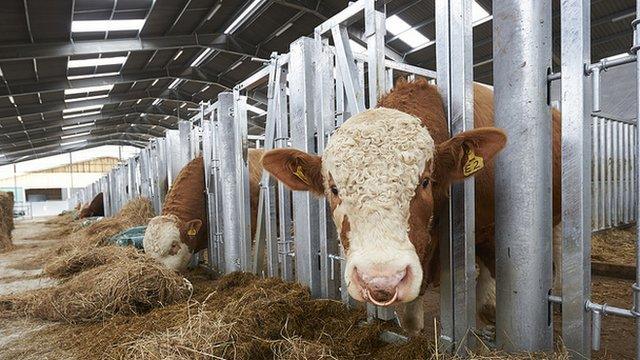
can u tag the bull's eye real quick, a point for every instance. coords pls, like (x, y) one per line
(425, 183)
(334, 190)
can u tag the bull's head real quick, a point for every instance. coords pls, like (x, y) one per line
(381, 172)
(171, 241)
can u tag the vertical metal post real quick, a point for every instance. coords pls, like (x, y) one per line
(285, 224)
(374, 32)
(234, 182)
(303, 109)
(523, 199)
(184, 127)
(575, 32)
(70, 169)
(636, 286)
(145, 185)
(173, 154)
(325, 124)
(454, 51)
(241, 142)
(267, 201)
(113, 192)
(133, 186)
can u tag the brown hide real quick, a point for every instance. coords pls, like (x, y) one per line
(95, 207)
(186, 198)
(255, 173)
(423, 100)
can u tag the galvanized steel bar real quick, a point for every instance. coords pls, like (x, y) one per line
(240, 131)
(173, 154)
(347, 67)
(595, 182)
(285, 225)
(233, 229)
(374, 32)
(207, 152)
(266, 227)
(636, 286)
(325, 124)
(454, 52)
(523, 202)
(303, 112)
(575, 32)
(131, 178)
(184, 128)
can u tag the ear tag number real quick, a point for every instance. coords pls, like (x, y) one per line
(473, 164)
(301, 175)
(192, 232)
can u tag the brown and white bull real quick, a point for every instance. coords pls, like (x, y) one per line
(95, 207)
(386, 174)
(182, 229)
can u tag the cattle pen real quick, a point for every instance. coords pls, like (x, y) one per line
(299, 98)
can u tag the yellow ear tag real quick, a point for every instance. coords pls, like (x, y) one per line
(301, 175)
(192, 232)
(473, 164)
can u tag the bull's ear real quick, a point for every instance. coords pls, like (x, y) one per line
(467, 153)
(296, 169)
(193, 226)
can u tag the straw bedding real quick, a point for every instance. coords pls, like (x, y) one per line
(123, 287)
(6, 221)
(238, 316)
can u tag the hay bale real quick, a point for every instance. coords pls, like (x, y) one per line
(81, 259)
(6, 221)
(124, 287)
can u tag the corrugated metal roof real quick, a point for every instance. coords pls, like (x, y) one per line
(37, 86)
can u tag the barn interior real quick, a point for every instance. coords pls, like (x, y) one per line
(91, 88)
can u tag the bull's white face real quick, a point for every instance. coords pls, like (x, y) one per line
(371, 168)
(162, 242)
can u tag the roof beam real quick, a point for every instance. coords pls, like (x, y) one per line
(149, 129)
(137, 135)
(62, 83)
(219, 42)
(87, 145)
(136, 118)
(136, 109)
(37, 151)
(34, 109)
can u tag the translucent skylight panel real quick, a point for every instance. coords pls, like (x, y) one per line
(72, 127)
(117, 60)
(88, 89)
(86, 98)
(74, 135)
(395, 25)
(80, 115)
(82, 108)
(106, 25)
(398, 27)
(248, 11)
(89, 76)
(73, 142)
(478, 13)
(201, 57)
(413, 38)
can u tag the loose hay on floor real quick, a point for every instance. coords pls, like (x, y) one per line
(236, 317)
(615, 246)
(81, 259)
(124, 287)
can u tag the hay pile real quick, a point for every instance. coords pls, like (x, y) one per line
(81, 259)
(615, 246)
(123, 287)
(235, 317)
(6, 221)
